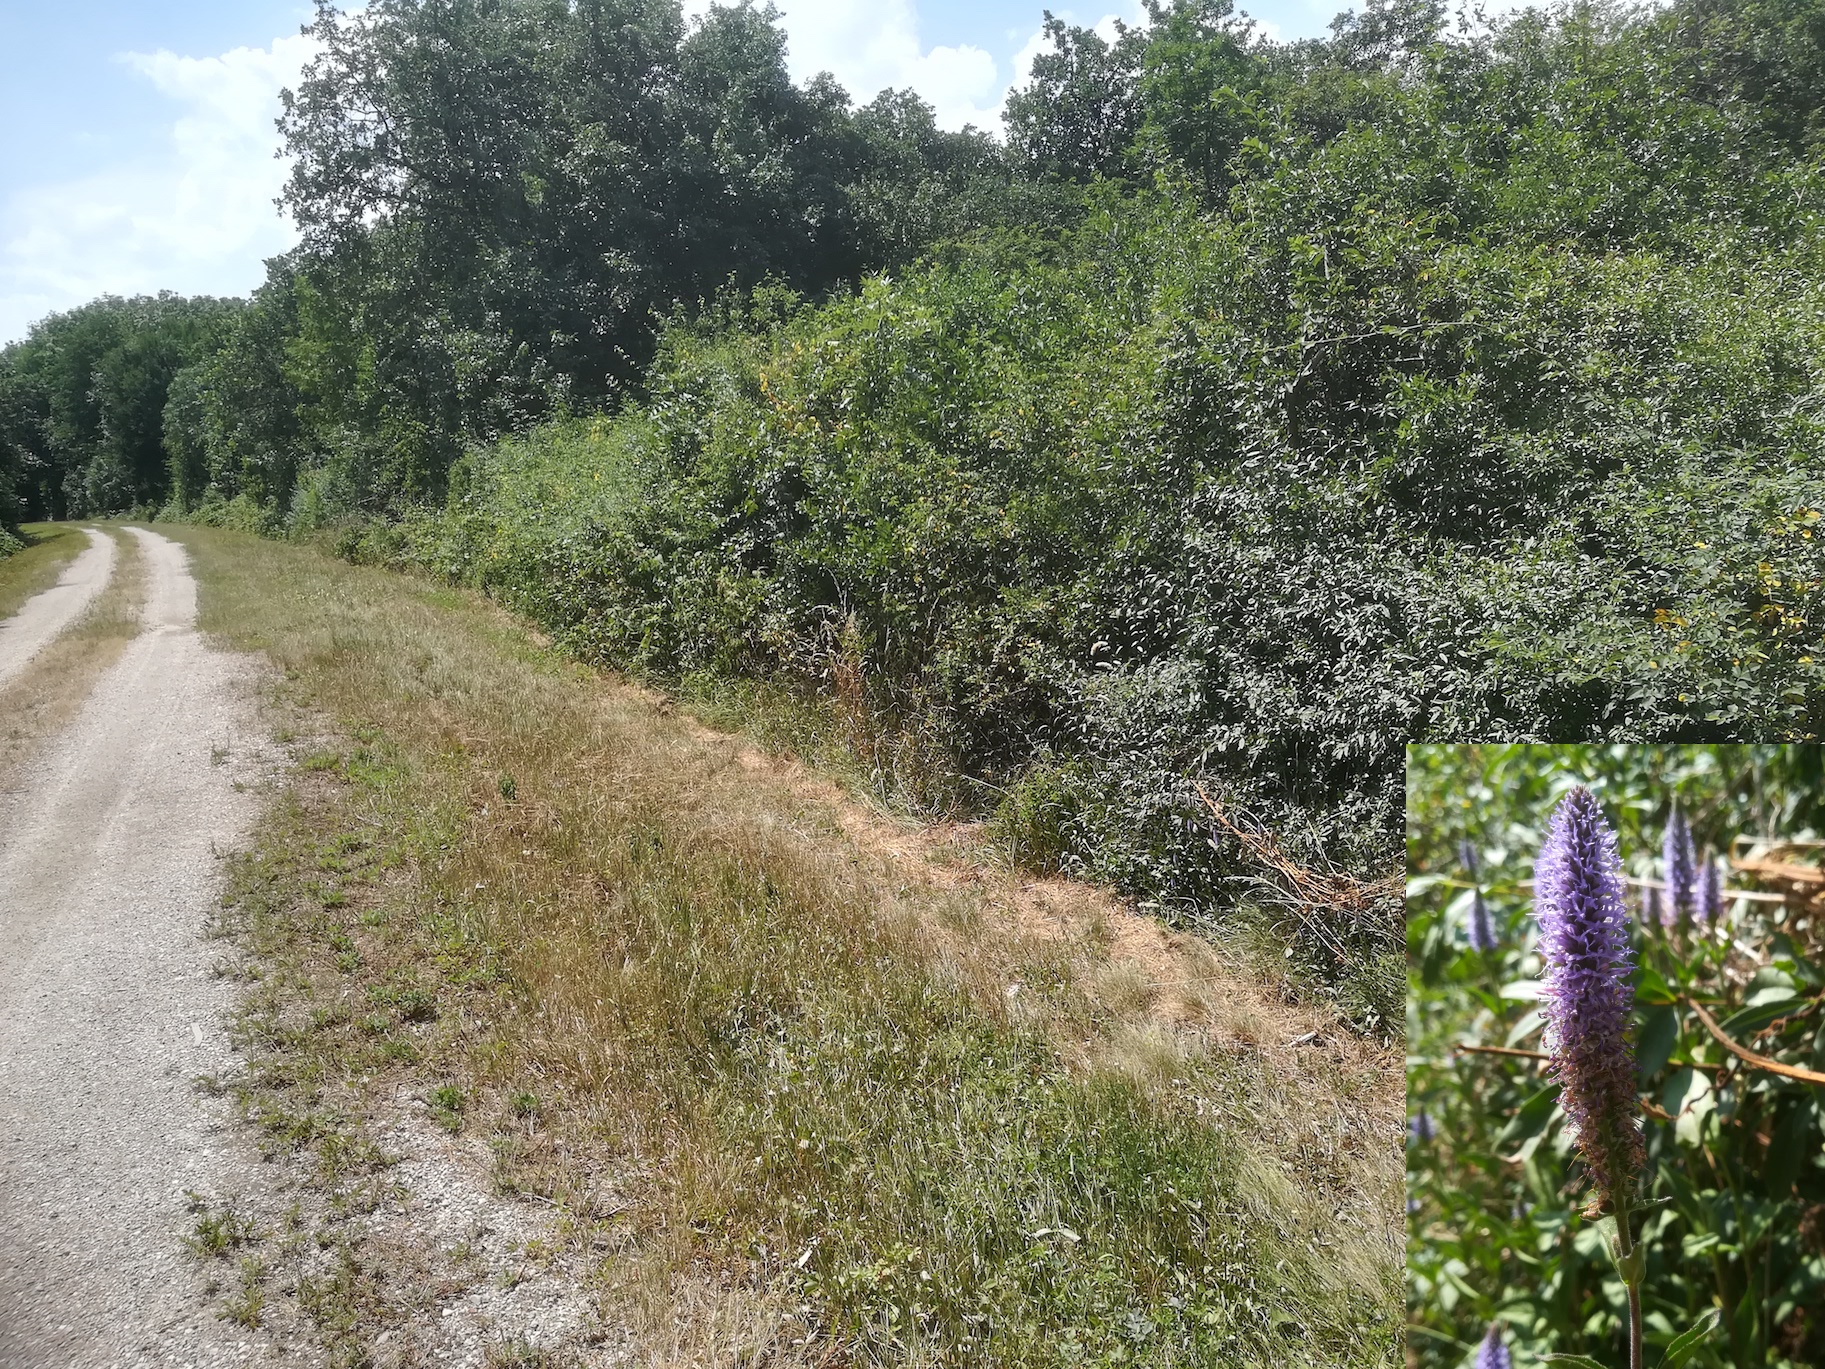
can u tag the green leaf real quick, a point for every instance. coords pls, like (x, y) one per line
(1652, 988)
(1689, 1097)
(1528, 1023)
(1790, 1147)
(1763, 1007)
(1688, 1341)
(1742, 1329)
(1420, 883)
(1659, 1034)
(1579, 1361)
(1531, 1119)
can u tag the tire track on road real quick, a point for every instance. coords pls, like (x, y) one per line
(109, 1009)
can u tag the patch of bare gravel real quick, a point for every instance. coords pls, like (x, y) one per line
(108, 1008)
(490, 1270)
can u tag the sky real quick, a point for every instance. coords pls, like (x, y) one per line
(139, 154)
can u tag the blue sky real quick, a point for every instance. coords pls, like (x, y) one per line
(138, 151)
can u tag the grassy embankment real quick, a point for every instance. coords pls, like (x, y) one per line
(46, 695)
(49, 547)
(798, 1086)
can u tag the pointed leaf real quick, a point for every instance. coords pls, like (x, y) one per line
(1688, 1341)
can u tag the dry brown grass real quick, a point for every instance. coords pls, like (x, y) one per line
(804, 1077)
(43, 698)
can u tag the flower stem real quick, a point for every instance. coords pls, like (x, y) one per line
(1629, 1263)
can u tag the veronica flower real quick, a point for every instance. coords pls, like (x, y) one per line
(1482, 927)
(1588, 996)
(1677, 855)
(1707, 901)
(1650, 905)
(1466, 854)
(1419, 1127)
(1492, 1354)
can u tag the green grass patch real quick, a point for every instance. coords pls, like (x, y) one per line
(43, 550)
(636, 970)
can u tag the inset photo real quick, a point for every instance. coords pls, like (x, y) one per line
(1616, 1056)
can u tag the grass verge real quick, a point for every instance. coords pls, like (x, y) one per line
(49, 547)
(793, 1106)
(45, 696)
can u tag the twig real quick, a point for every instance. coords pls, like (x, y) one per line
(1542, 1055)
(1503, 1050)
(1749, 1057)
(1750, 895)
(1372, 906)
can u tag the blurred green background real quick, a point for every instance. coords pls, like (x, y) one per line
(1735, 1185)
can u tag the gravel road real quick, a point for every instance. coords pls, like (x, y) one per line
(108, 1007)
(45, 615)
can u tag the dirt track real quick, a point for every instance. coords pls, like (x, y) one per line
(108, 1008)
(34, 627)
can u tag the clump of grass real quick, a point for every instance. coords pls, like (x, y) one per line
(248, 1303)
(446, 1104)
(218, 1231)
(804, 1093)
(520, 1354)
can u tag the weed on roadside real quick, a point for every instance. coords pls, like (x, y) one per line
(219, 1231)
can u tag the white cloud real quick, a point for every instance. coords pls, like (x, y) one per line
(873, 45)
(199, 220)
(1104, 28)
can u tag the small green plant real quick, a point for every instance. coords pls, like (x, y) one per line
(446, 1103)
(523, 1354)
(249, 1300)
(218, 1231)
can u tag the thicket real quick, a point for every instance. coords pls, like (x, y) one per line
(1248, 409)
(83, 403)
(1727, 1051)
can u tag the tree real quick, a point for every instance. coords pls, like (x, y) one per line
(1080, 112)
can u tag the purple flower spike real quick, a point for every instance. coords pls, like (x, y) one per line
(1420, 1129)
(1466, 854)
(1482, 927)
(1650, 906)
(1708, 900)
(1677, 856)
(1588, 998)
(1492, 1354)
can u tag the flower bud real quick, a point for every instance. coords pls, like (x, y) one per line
(1677, 856)
(1482, 927)
(1492, 1354)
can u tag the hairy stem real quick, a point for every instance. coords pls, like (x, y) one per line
(1631, 1279)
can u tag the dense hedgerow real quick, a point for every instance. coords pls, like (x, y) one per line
(1094, 521)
